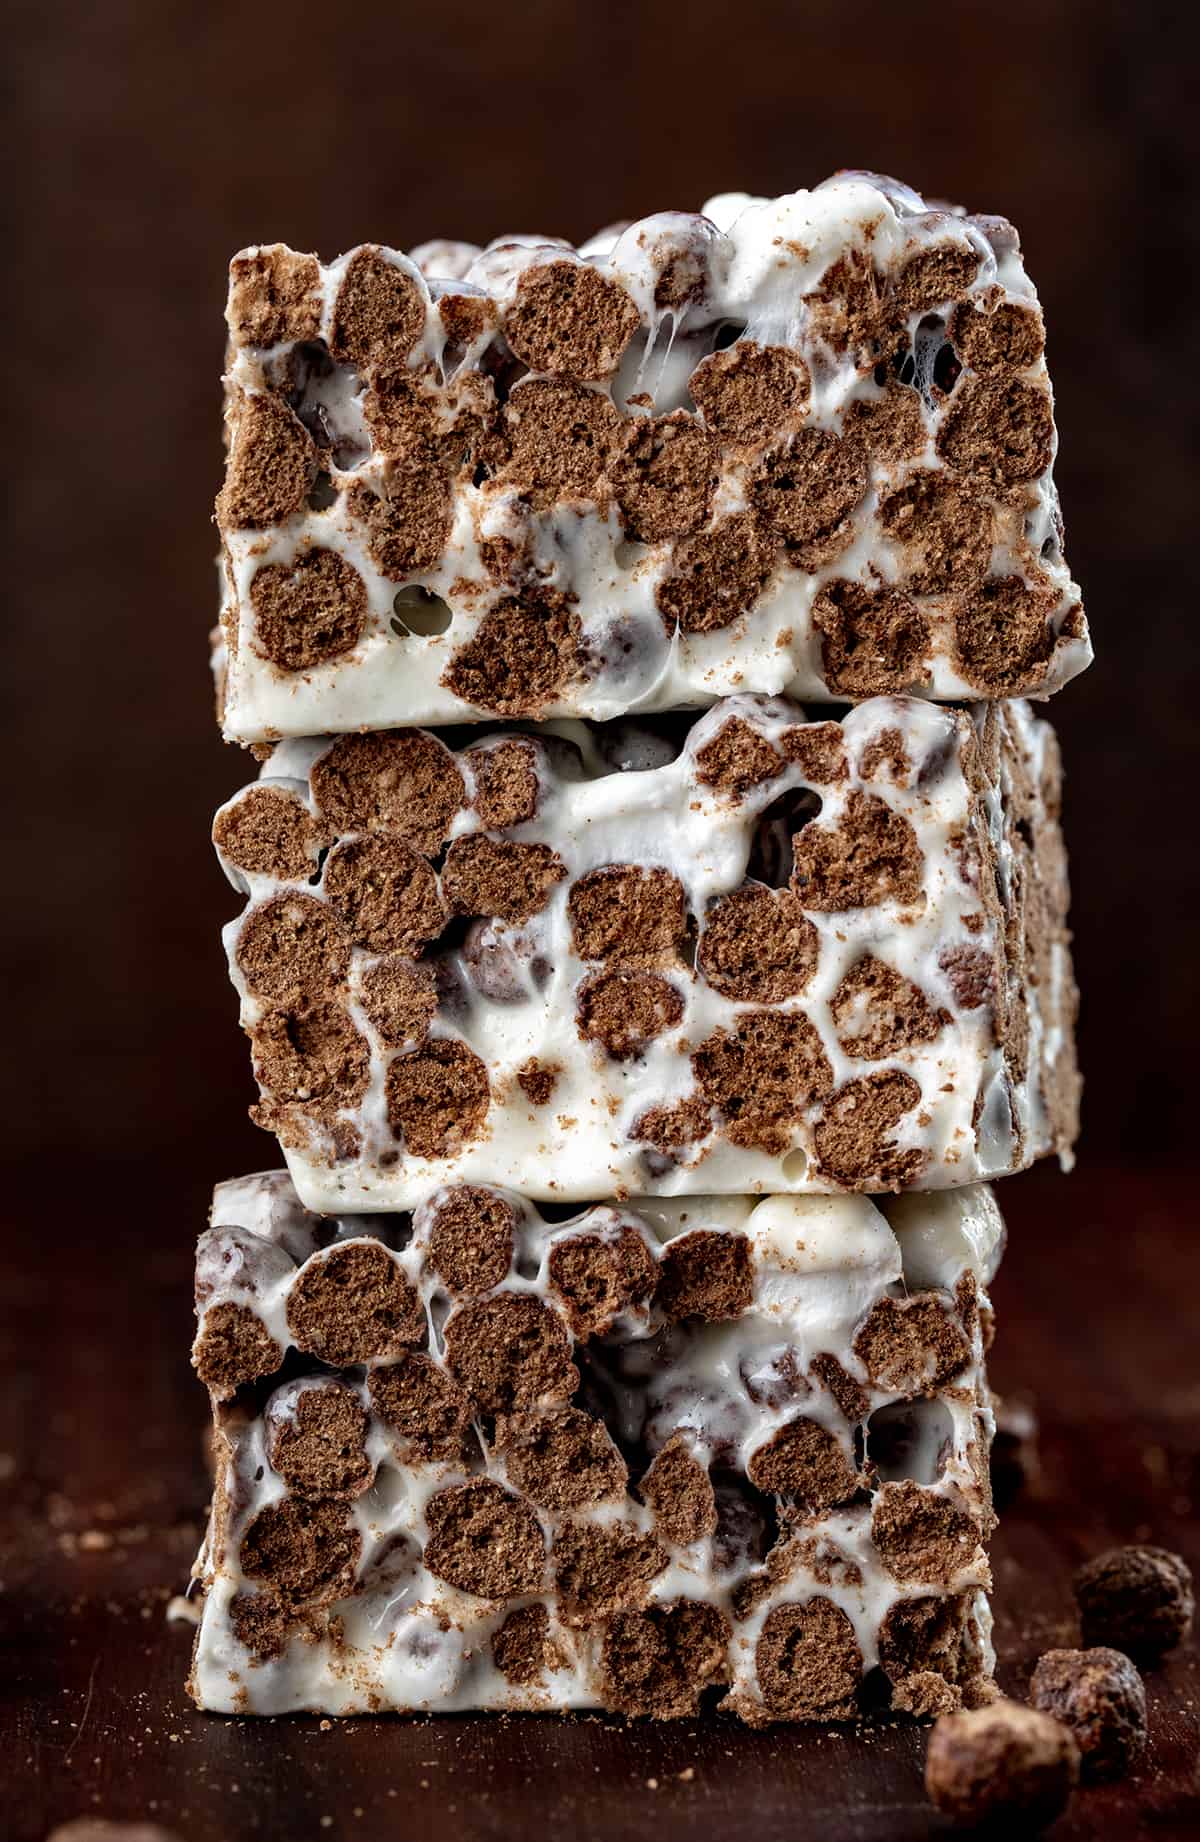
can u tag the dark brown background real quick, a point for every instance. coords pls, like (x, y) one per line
(148, 141)
(151, 141)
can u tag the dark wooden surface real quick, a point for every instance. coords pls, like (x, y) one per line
(103, 1490)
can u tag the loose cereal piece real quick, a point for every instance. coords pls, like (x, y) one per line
(1139, 1600)
(1002, 1763)
(1099, 1695)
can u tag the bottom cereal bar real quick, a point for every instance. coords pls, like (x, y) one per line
(650, 1458)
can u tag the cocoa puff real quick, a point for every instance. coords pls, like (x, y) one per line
(806, 1461)
(272, 463)
(1004, 635)
(877, 1011)
(408, 526)
(233, 1346)
(316, 1440)
(508, 564)
(292, 948)
(570, 319)
(716, 577)
(873, 640)
(560, 440)
(818, 751)
(850, 1395)
(921, 1535)
(419, 1401)
(599, 1276)
(510, 1352)
(1099, 1695)
(352, 1303)
(401, 411)
(911, 1345)
(385, 895)
(496, 876)
(470, 1245)
(657, 1664)
(938, 273)
(603, 1568)
(311, 1057)
(623, 1010)
(1001, 1764)
(802, 491)
(750, 392)
(890, 422)
(852, 309)
(267, 831)
(923, 1653)
(663, 474)
(400, 999)
(679, 1491)
(761, 1075)
(1000, 429)
(263, 1625)
(309, 611)
(758, 946)
(1004, 337)
(524, 654)
(944, 532)
(379, 311)
(506, 783)
(484, 1540)
(1139, 1600)
(737, 758)
(305, 1553)
(706, 1274)
(274, 294)
(871, 856)
(465, 317)
(402, 781)
(808, 1662)
(437, 1097)
(672, 1128)
(522, 1648)
(562, 1459)
(630, 913)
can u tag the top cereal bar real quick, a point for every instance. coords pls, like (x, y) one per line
(798, 445)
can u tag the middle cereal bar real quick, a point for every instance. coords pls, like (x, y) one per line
(747, 953)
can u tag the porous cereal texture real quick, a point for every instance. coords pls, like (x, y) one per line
(532, 481)
(741, 952)
(656, 1458)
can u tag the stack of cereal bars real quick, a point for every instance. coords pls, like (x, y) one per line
(652, 943)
